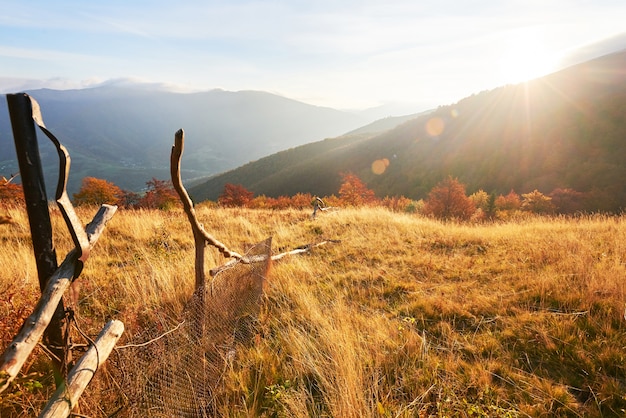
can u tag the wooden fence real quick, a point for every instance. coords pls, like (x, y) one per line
(48, 319)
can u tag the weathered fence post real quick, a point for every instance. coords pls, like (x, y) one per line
(66, 396)
(27, 149)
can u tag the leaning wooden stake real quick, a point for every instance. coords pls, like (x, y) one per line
(200, 236)
(66, 397)
(25, 341)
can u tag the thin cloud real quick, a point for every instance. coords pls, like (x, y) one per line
(339, 51)
(595, 49)
(14, 84)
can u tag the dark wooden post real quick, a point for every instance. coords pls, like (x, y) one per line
(27, 149)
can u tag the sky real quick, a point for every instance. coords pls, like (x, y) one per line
(345, 54)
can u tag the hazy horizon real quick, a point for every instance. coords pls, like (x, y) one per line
(345, 54)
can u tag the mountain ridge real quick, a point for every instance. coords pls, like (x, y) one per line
(564, 130)
(124, 134)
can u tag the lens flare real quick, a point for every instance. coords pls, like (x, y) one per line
(435, 126)
(380, 166)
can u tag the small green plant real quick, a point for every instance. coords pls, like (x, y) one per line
(24, 394)
(274, 395)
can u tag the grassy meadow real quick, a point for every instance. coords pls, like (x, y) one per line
(404, 317)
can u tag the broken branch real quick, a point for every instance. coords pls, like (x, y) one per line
(257, 259)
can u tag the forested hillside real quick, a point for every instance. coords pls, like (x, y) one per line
(563, 131)
(123, 133)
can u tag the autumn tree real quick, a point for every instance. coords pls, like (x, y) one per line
(331, 201)
(129, 199)
(301, 200)
(480, 199)
(568, 201)
(398, 203)
(354, 192)
(510, 202)
(485, 205)
(234, 195)
(281, 202)
(261, 202)
(537, 202)
(94, 191)
(447, 200)
(160, 195)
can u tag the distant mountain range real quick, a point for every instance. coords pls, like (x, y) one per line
(123, 133)
(565, 130)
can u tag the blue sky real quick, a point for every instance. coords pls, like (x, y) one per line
(338, 53)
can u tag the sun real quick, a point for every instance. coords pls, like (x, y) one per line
(526, 57)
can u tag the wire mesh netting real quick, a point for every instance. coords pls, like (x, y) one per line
(178, 373)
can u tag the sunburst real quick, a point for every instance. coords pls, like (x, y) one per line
(527, 57)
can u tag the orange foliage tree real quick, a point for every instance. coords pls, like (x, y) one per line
(447, 200)
(354, 192)
(96, 191)
(281, 202)
(160, 195)
(331, 201)
(301, 200)
(510, 202)
(261, 202)
(398, 204)
(234, 195)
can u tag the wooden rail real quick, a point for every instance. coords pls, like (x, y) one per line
(54, 283)
(49, 313)
(66, 396)
(25, 341)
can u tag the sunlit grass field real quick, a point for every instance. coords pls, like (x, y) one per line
(404, 317)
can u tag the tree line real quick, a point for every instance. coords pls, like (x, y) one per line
(447, 200)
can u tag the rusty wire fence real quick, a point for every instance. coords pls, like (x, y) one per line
(179, 373)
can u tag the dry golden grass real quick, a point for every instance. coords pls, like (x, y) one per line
(406, 316)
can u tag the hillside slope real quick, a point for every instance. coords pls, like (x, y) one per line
(565, 130)
(123, 133)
